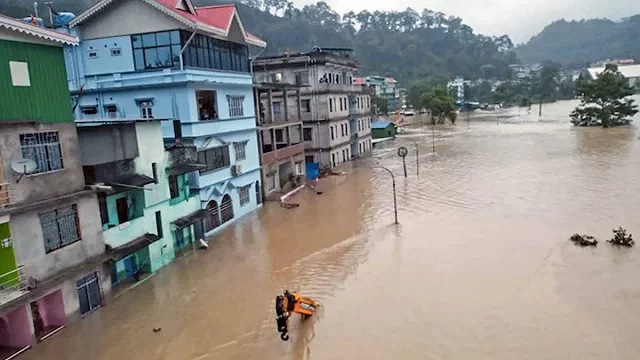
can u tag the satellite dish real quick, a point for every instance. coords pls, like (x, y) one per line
(24, 167)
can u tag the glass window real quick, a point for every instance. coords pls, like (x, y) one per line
(164, 56)
(175, 37)
(136, 40)
(156, 50)
(151, 58)
(174, 190)
(213, 159)
(149, 40)
(207, 109)
(163, 38)
(307, 134)
(276, 107)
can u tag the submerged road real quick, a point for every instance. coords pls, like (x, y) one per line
(478, 268)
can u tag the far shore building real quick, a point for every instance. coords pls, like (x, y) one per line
(630, 72)
(335, 112)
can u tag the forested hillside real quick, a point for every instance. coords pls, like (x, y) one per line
(576, 43)
(411, 46)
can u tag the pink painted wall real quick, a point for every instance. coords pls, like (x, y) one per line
(52, 309)
(15, 328)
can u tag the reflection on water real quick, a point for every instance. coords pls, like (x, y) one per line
(479, 268)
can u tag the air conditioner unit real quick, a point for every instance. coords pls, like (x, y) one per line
(236, 170)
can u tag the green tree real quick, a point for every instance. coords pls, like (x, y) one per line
(605, 100)
(440, 104)
(546, 84)
(380, 104)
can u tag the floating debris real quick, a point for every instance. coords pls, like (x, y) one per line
(621, 238)
(583, 240)
(157, 329)
(289, 205)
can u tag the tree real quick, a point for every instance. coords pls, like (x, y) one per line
(547, 83)
(440, 104)
(381, 105)
(605, 100)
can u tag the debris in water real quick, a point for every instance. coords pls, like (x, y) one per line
(289, 205)
(583, 240)
(621, 238)
(203, 244)
(157, 329)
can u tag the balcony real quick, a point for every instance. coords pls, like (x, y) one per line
(326, 87)
(13, 284)
(207, 127)
(119, 235)
(5, 195)
(281, 153)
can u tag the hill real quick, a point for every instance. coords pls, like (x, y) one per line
(576, 43)
(407, 45)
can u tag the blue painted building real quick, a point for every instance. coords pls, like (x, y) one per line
(141, 59)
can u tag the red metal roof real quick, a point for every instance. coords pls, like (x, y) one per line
(218, 16)
(358, 81)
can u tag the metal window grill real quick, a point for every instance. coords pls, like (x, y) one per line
(235, 106)
(212, 220)
(244, 195)
(44, 149)
(60, 227)
(89, 295)
(240, 149)
(226, 209)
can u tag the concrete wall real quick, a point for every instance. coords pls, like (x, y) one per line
(127, 17)
(105, 144)
(41, 186)
(28, 241)
(106, 62)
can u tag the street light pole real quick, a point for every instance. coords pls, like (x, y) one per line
(417, 159)
(433, 138)
(393, 182)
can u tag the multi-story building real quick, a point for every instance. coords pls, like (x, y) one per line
(279, 109)
(51, 245)
(457, 86)
(385, 88)
(170, 60)
(148, 213)
(335, 113)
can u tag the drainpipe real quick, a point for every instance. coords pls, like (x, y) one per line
(185, 47)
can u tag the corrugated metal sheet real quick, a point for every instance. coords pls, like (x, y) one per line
(47, 100)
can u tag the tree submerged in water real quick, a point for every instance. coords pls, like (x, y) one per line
(605, 100)
(583, 240)
(440, 104)
(621, 238)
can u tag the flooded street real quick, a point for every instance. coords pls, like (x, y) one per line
(480, 266)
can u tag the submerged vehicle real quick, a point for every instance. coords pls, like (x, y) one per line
(292, 302)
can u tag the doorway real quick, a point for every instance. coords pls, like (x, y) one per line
(123, 210)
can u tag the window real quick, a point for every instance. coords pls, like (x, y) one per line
(213, 159)
(174, 191)
(206, 100)
(19, 73)
(146, 110)
(89, 110)
(333, 159)
(116, 52)
(271, 182)
(226, 209)
(299, 168)
(340, 104)
(305, 105)
(330, 104)
(244, 195)
(235, 105)
(156, 50)
(212, 219)
(159, 230)
(309, 159)
(89, 293)
(277, 107)
(341, 129)
(111, 111)
(240, 150)
(154, 172)
(43, 148)
(279, 135)
(93, 54)
(302, 78)
(205, 52)
(307, 134)
(332, 135)
(60, 227)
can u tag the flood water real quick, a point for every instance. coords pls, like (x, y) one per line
(480, 266)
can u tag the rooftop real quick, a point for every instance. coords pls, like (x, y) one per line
(380, 124)
(628, 71)
(215, 19)
(37, 31)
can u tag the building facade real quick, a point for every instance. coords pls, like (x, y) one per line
(385, 88)
(168, 59)
(148, 213)
(280, 141)
(51, 245)
(335, 113)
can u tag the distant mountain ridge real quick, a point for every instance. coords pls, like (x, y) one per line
(577, 43)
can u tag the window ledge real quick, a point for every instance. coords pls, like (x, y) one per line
(45, 173)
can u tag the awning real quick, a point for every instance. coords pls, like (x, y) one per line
(131, 247)
(185, 221)
(182, 169)
(129, 183)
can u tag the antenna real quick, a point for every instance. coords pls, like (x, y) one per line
(23, 167)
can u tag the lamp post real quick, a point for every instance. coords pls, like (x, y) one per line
(417, 158)
(393, 182)
(433, 138)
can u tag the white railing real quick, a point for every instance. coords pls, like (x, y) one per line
(13, 284)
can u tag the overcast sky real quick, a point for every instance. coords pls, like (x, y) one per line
(520, 19)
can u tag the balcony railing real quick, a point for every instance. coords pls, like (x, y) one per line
(5, 195)
(13, 284)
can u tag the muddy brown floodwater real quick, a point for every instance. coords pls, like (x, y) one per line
(479, 268)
